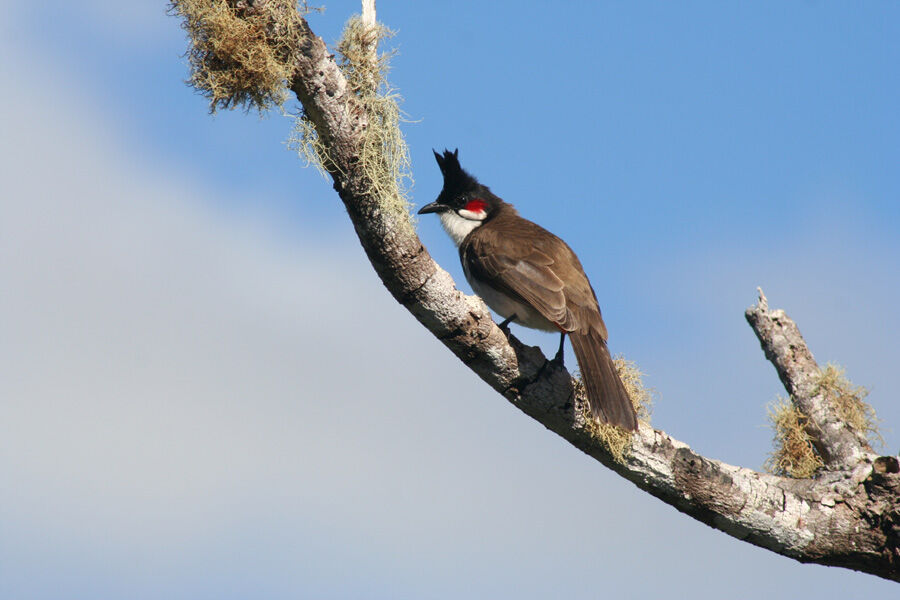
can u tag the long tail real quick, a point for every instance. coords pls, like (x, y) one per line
(607, 397)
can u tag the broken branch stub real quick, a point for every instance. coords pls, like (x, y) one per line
(840, 446)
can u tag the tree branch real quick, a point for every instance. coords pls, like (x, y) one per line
(839, 445)
(806, 520)
(848, 518)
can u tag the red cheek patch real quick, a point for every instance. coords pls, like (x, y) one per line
(476, 205)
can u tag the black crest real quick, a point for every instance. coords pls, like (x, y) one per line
(456, 180)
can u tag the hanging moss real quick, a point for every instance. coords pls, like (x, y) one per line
(384, 155)
(794, 454)
(242, 53)
(848, 401)
(617, 440)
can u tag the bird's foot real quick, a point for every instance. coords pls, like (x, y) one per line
(558, 359)
(504, 326)
(559, 353)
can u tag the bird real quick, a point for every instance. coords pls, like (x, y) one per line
(532, 278)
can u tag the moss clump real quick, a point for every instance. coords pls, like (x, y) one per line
(309, 146)
(242, 53)
(848, 401)
(794, 454)
(384, 155)
(616, 440)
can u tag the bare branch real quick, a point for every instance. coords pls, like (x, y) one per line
(368, 13)
(370, 53)
(840, 446)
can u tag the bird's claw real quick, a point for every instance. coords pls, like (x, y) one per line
(558, 359)
(504, 325)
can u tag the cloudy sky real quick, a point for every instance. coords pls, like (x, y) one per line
(206, 393)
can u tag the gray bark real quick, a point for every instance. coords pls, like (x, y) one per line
(848, 517)
(840, 446)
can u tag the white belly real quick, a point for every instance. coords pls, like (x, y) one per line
(505, 306)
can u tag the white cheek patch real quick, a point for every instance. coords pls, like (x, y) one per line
(473, 215)
(458, 226)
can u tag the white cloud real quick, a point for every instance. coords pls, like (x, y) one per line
(177, 379)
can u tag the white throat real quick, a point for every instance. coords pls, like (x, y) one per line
(458, 227)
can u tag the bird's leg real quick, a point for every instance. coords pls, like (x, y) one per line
(559, 353)
(504, 326)
(558, 359)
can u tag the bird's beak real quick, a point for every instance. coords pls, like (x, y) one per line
(433, 208)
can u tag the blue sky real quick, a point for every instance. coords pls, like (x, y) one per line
(196, 406)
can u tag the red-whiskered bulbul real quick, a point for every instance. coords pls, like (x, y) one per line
(529, 276)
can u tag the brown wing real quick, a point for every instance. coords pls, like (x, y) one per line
(531, 265)
(528, 262)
